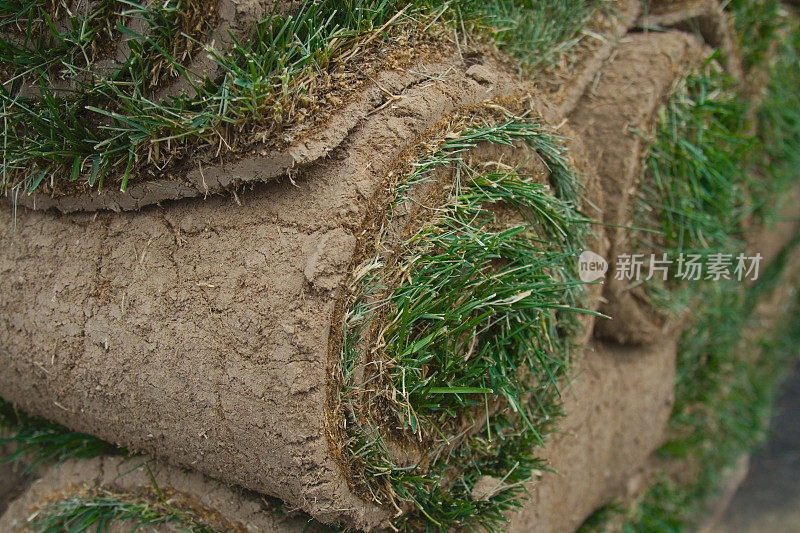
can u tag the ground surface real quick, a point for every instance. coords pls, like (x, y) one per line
(769, 498)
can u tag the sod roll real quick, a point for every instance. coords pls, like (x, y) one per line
(616, 413)
(154, 138)
(614, 122)
(139, 493)
(210, 331)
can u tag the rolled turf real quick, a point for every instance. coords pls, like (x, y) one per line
(338, 338)
(218, 346)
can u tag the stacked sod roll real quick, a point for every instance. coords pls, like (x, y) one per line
(117, 105)
(720, 177)
(321, 338)
(344, 274)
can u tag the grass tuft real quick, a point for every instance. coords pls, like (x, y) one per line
(537, 34)
(757, 23)
(695, 191)
(100, 509)
(34, 441)
(778, 130)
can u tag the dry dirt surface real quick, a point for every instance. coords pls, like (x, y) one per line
(616, 416)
